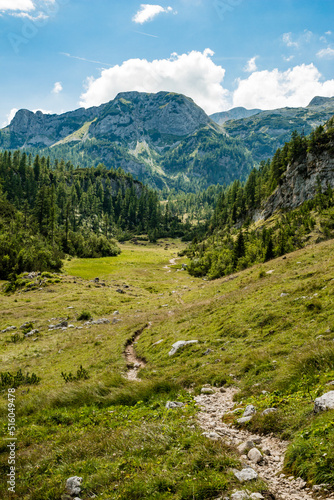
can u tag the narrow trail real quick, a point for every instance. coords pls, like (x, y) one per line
(213, 407)
(133, 362)
(171, 262)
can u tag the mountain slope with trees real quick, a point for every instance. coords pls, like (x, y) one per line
(283, 205)
(51, 209)
(164, 139)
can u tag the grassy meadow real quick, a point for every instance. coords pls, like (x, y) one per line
(268, 328)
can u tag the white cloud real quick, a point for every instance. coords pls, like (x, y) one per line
(329, 52)
(275, 89)
(300, 40)
(289, 58)
(23, 5)
(193, 74)
(328, 33)
(251, 65)
(9, 117)
(57, 88)
(38, 17)
(287, 39)
(148, 12)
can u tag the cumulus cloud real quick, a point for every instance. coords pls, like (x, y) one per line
(300, 39)
(148, 12)
(251, 65)
(9, 117)
(193, 74)
(23, 5)
(275, 89)
(329, 52)
(57, 88)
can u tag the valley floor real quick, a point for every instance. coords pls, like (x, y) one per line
(267, 331)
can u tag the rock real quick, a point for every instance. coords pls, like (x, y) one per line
(284, 294)
(240, 495)
(119, 290)
(268, 411)
(27, 323)
(207, 390)
(249, 411)
(73, 485)
(212, 435)
(254, 455)
(244, 420)
(31, 333)
(256, 496)
(208, 351)
(159, 342)
(59, 326)
(115, 313)
(245, 474)
(174, 404)
(243, 447)
(179, 344)
(9, 329)
(325, 402)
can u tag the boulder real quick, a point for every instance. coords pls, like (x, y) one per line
(174, 404)
(207, 390)
(325, 402)
(31, 333)
(244, 420)
(268, 411)
(254, 455)
(240, 495)
(73, 485)
(249, 411)
(179, 344)
(243, 447)
(245, 474)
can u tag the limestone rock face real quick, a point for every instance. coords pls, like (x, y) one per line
(300, 183)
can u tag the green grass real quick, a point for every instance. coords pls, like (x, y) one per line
(118, 435)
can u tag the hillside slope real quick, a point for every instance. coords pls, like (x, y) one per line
(164, 139)
(266, 131)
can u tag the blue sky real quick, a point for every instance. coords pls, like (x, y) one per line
(58, 55)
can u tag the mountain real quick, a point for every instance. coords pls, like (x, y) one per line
(164, 139)
(266, 131)
(284, 205)
(233, 114)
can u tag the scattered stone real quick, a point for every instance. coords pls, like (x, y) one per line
(245, 474)
(207, 390)
(254, 455)
(119, 290)
(270, 272)
(159, 342)
(73, 485)
(212, 435)
(268, 411)
(102, 321)
(174, 404)
(244, 420)
(284, 294)
(115, 321)
(59, 326)
(115, 313)
(208, 351)
(240, 495)
(179, 344)
(70, 307)
(256, 496)
(243, 447)
(27, 323)
(9, 329)
(324, 402)
(31, 333)
(249, 411)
